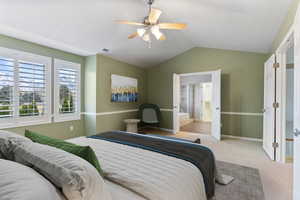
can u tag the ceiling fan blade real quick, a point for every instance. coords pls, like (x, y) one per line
(154, 15)
(130, 23)
(173, 26)
(133, 35)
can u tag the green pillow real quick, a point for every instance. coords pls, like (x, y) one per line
(84, 152)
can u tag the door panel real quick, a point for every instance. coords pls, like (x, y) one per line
(297, 107)
(176, 102)
(269, 112)
(216, 105)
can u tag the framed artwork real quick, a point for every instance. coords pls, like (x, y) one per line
(124, 89)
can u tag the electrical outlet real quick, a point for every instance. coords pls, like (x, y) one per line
(71, 128)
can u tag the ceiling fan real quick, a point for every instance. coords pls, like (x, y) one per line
(152, 26)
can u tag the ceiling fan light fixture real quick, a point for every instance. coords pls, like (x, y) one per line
(151, 25)
(158, 35)
(146, 37)
(155, 28)
(156, 32)
(141, 32)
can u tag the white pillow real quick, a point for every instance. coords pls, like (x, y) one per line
(78, 179)
(19, 182)
(8, 138)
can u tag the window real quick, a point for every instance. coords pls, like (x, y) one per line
(67, 90)
(6, 87)
(24, 89)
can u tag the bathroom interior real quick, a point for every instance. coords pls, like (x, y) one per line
(195, 104)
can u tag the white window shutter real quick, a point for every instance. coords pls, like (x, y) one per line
(67, 91)
(7, 86)
(25, 89)
(32, 89)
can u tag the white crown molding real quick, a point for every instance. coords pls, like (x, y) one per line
(22, 35)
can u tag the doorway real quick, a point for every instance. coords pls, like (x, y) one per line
(197, 103)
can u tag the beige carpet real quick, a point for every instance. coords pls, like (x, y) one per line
(197, 127)
(276, 177)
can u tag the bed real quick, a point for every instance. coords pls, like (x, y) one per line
(135, 167)
(145, 174)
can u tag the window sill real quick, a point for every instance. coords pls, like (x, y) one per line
(65, 118)
(17, 124)
(36, 122)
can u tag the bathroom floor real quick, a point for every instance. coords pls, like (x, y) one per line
(197, 127)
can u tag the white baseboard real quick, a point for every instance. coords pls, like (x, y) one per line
(163, 129)
(223, 136)
(168, 130)
(242, 138)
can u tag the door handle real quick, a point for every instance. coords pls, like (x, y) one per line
(217, 108)
(296, 132)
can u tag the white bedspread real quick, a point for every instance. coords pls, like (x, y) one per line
(121, 193)
(152, 175)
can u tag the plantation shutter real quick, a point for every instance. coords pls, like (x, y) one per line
(7, 85)
(67, 91)
(24, 88)
(32, 89)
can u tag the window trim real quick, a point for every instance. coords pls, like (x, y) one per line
(16, 120)
(66, 117)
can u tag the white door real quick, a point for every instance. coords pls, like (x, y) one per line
(269, 112)
(297, 107)
(216, 104)
(176, 103)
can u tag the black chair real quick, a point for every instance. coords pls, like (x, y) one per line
(150, 115)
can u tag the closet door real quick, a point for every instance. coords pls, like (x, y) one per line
(176, 103)
(297, 107)
(216, 105)
(269, 111)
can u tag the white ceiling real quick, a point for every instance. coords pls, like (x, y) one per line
(85, 27)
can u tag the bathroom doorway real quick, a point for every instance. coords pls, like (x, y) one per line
(197, 103)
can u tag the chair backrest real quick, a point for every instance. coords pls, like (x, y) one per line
(149, 113)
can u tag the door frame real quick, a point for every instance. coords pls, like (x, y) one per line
(176, 119)
(281, 92)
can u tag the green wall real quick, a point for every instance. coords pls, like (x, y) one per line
(285, 26)
(59, 130)
(108, 66)
(98, 83)
(90, 93)
(242, 85)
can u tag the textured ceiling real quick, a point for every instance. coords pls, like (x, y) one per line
(85, 27)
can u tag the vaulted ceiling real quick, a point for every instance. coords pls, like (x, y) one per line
(85, 27)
